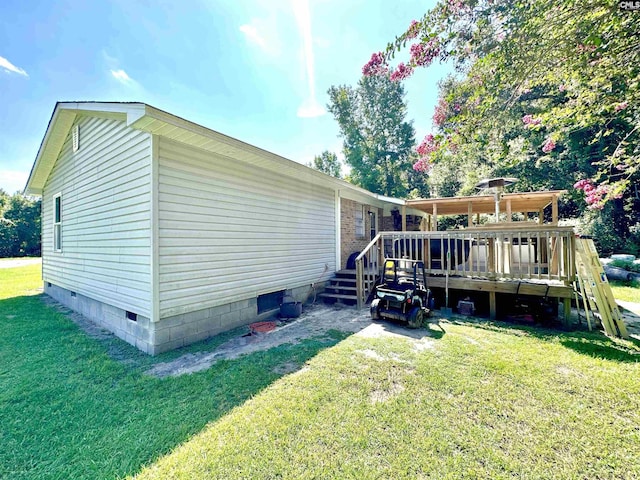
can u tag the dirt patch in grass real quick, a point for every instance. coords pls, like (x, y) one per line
(316, 322)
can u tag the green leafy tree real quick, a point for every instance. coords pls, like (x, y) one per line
(378, 141)
(19, 225)
(327, 162)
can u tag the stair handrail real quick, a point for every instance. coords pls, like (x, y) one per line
(361, 291)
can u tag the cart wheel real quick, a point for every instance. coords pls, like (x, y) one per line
(375, 315)
(416, 316)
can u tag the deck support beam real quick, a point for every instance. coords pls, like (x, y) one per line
(434, 216)
(492, 305)
(566, 314)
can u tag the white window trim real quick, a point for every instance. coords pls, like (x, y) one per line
(57, 225)
(363, 232)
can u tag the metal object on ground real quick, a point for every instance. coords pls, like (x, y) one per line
(290, 308)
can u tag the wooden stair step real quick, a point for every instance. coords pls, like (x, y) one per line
(338, 296)
(340, 287)
(348, 281)
(346, 272)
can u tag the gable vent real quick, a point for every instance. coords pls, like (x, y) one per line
(76, 137)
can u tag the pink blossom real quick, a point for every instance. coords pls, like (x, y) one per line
(455, 5)
(422, 165)
(562, 88)
(428, 146)
(414, 28)
(549, 145)
(530, 121)
(594, 196)
(621, 106)
(440, 114)
(401, 72)
(581, 184)
(426, 149)
(376, 66)
(422, 54)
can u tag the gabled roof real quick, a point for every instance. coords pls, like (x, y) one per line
(158, 122)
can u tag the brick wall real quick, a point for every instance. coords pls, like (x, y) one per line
(349, 243)
(389, 225)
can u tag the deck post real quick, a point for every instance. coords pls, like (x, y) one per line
(554, 210)
(434, 224)
(566, 314)
(492, 305)
(509, 210)
(404, 218)
(470, 214)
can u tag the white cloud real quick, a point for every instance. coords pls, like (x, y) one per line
(252, 34)
(263, 33)
(121, 76)
(310, 107)
(10, 67)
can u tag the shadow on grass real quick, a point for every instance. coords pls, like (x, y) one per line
(593, 344)
(69, 410)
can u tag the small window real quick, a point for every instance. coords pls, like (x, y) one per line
(132, 316)
(75, 134)
(57, 223)
(373, 224)
(359, 221)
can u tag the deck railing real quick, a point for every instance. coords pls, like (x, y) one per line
(545, 253)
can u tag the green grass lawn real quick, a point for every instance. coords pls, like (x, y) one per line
(481, 400)
(624, 291)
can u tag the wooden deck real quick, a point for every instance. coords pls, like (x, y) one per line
(536, 260)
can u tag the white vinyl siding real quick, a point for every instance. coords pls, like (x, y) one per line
(229, 231)
(106, 213)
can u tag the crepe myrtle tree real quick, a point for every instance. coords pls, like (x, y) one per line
(553, 80)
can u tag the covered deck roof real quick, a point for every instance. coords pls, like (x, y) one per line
(526, 202)
(519, 202)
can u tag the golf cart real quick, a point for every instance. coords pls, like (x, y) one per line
(403, 293)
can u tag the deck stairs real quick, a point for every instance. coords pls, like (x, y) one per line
(342, 287)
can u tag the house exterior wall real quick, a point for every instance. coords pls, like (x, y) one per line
(229, 232)
(350, 242)
(105, 189)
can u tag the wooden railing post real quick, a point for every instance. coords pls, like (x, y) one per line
(359, 282)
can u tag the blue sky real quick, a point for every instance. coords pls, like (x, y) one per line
(257, 70)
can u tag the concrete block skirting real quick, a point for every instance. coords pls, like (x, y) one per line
(171, 332)
(114, 319)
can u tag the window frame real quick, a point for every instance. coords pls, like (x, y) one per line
(359, 228)
(57, 222)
